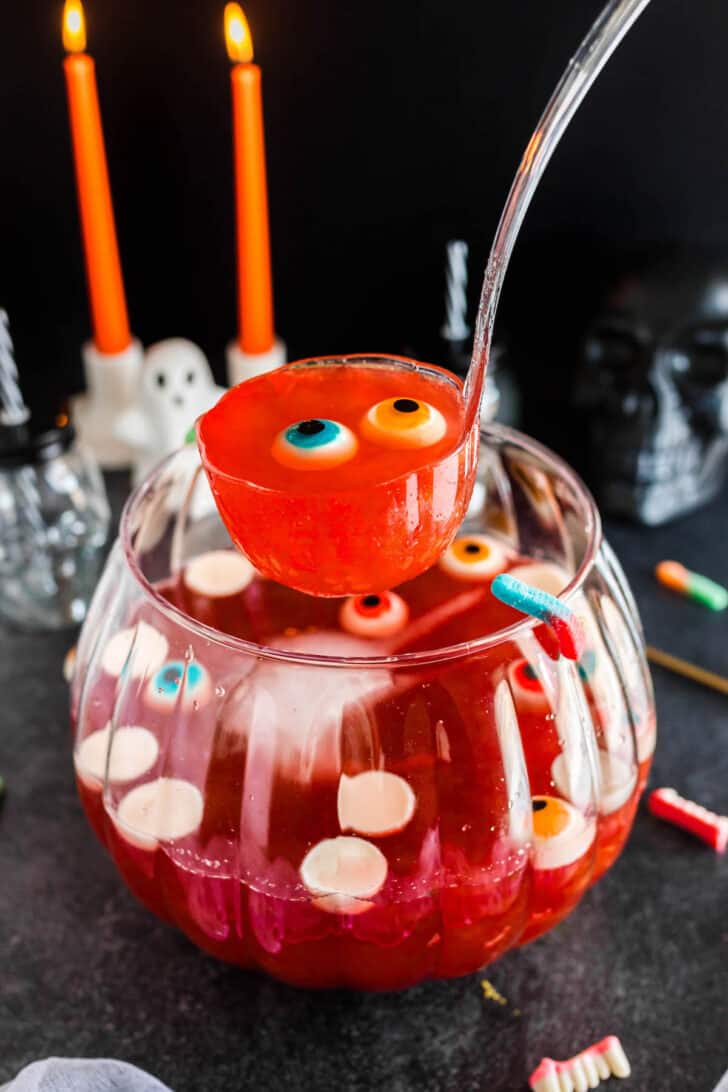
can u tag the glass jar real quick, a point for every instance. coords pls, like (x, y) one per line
(54, 521)
(332, 809)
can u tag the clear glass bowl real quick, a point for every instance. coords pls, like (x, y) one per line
(362, 820)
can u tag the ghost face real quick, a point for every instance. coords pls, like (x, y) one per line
(177, 386)
(654, 388)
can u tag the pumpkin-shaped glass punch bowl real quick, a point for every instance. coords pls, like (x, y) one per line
(363, 792)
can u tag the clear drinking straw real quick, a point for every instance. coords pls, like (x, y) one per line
(596, 49)
(14, 413)
(13, 410)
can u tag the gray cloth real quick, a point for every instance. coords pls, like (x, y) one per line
(83, 1075)
(722, 1085)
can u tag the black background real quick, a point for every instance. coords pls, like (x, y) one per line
(391, 125)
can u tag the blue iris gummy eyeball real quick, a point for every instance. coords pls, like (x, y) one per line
(314, 444)
(192, 678)
(587, 665)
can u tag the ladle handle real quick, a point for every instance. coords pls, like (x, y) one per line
(596, 49)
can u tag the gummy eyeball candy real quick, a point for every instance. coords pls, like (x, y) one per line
(561, 833)
(344, 476)
(375, 615)
(473, 557)
(177, 677)
(375, 803)
(404, 422)
(618, 780)
(344, 866)
(314, 445)
(218, 574)
(138, 649)
(527, 689)
(587, 665)
(159, 811)
(129, 754)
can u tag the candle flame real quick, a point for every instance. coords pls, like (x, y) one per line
(74, 27)
(238, 39)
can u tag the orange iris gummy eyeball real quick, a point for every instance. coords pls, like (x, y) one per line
(473, 557)
(561, 833)
(404, 422)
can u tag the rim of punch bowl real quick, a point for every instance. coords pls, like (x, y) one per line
(398, 660)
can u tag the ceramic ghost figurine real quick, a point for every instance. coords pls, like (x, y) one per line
(176, 387)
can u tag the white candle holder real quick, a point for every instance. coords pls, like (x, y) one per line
(242, 366)
(112, 383)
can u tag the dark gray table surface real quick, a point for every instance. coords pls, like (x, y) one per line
(86, 971)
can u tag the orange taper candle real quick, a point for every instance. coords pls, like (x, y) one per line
(255, 294)
(103, 268)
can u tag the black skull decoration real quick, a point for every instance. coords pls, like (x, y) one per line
(653, 387)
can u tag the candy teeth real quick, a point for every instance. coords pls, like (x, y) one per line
(149, 651)
(375, 802)
(133, 752)
(711, 828)
(584, 1071)
(615, 1057)
(218, 574)
(602, 1067)
(344, 866)
(159, 811)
